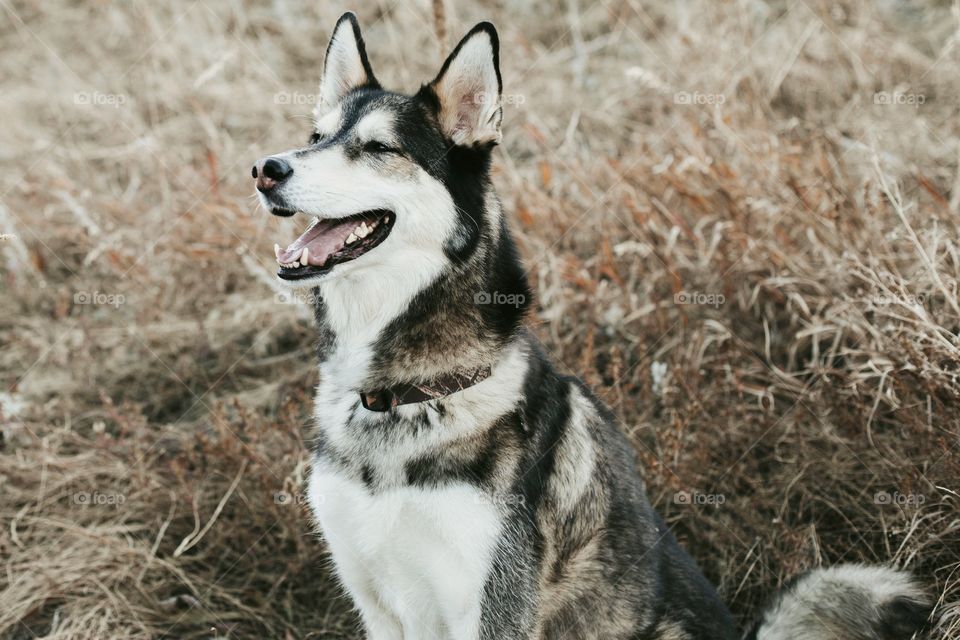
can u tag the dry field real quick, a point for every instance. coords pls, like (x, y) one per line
(740, 219)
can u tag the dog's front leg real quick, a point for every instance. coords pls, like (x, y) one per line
(378, 622)
(466, 627)
(380, 626)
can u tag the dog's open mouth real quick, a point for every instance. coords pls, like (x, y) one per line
(327, 243)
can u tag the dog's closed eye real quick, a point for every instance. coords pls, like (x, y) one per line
(375, 146)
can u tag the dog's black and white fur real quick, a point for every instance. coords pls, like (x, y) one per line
(513, 508)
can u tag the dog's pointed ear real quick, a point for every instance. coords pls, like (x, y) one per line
(468, 89)
(345, 67)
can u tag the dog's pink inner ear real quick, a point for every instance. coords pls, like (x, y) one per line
(468, 89)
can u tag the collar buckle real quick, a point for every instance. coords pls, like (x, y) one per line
(382, 400)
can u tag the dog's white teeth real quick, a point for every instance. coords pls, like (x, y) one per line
(361, 231)
(373, 225)
(276, 251)
(305, 256)
(351, 239)
(386, 218)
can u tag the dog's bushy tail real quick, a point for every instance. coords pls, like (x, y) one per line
(849, 602)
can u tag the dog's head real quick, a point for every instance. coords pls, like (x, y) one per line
(388, 181)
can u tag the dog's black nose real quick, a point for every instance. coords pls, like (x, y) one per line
(270, 172)
(276, 169)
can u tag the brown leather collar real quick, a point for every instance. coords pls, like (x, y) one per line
(386, 399)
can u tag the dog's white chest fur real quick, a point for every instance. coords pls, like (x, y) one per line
(414, 560)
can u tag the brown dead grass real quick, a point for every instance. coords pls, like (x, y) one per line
(153, 450)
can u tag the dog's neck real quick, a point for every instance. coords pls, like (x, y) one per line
(454, 317)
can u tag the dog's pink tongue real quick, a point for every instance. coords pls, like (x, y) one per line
(322, 240)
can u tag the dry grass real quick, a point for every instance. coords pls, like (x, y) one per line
(823, 225)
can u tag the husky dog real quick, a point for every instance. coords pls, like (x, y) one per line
(465, 488)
